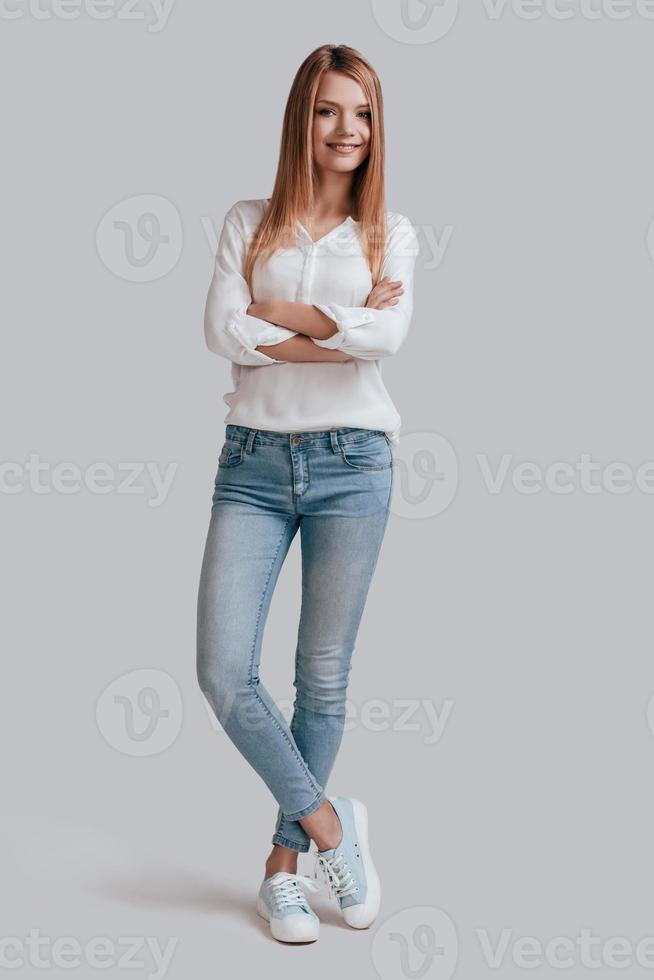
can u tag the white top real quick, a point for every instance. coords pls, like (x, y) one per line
(333, 275)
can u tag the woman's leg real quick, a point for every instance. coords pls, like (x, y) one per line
(340, 548)
(245, 548)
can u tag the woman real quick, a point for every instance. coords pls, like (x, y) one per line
(308, 446)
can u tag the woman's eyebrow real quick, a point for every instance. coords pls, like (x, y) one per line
(364, 106)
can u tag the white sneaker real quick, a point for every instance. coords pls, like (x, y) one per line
(348, 868)
(283, 903)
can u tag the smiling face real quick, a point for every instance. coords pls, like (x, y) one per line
(341, 123)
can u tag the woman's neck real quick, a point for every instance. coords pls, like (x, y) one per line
(333, 197)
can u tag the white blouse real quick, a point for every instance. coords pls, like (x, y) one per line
(333, 275)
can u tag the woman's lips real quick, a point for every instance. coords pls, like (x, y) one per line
(344, 148)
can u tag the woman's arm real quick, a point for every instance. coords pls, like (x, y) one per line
(231, 327)
(367, 332)
(228, 328)
(303, 318)
(302, 349)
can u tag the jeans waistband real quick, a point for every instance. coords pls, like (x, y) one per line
(294, 440)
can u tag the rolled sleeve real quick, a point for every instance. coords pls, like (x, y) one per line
(345, 318)
(368, 333)
(250, 331)
(228, 329)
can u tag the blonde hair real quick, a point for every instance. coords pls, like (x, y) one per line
(293, 192)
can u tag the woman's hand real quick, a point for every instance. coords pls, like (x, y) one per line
(385, 293)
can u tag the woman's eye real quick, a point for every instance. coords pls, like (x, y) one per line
(364, 113)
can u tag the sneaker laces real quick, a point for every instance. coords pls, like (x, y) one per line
(287, 890)
(337, 874)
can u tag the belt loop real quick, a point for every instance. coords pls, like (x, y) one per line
(333, 436)
(249, 442)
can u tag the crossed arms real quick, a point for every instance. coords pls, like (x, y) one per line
(274, 331)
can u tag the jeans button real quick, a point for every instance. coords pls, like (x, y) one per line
(295, 440)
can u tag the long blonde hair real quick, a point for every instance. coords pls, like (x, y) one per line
(293, 192)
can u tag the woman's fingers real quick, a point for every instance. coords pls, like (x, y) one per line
(389, 288)
(390, 294)
(385, 293)
(392, 288)
(390, 301)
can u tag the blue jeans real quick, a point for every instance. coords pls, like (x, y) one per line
(334, 485)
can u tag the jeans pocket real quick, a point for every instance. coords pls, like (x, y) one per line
(369, 454)
(231, 454)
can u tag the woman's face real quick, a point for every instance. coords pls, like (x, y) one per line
(341, 115)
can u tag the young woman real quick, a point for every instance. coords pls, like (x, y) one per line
(312, 288)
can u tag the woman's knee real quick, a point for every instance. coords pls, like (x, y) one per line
(224, 687)
(322, 691)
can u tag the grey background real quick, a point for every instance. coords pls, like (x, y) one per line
(530, 613)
